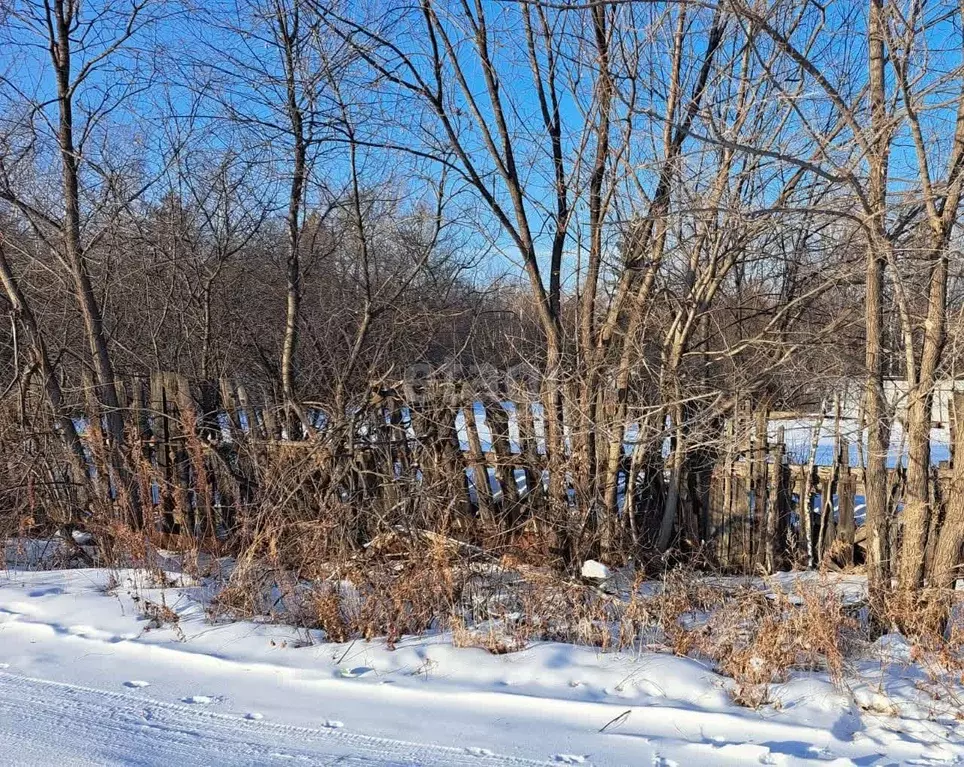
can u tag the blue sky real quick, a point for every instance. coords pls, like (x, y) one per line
(170, 58)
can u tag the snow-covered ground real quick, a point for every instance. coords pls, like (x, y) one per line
(86, 677)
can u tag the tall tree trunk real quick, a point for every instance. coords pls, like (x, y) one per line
(289, 32)
(90, 310)
(63, 20)
(878, 427)
(945, 566)
(590, 372)
(917, 508)
(293, 287)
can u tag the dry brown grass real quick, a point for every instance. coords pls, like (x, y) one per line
(924, 617)
(492, 637)
(373, 594)
(759, 638)
(159, 615)
(410, 584)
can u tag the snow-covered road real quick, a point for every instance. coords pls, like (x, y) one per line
(44, 723)
(84, 679)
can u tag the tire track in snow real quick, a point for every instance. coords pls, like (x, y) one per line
(45, 722)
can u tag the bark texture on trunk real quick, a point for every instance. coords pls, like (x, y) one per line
(945, 566)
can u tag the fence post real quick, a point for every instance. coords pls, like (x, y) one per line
(846, 490)
(476, 457)
(775, 506)
(161, 440)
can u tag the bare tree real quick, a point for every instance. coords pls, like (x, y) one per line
(275, 85)
(65, 114)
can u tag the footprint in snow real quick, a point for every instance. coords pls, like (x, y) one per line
(570, 759)
(254, 716)
(201, 700)
(333, 724)
(473, 751)
(135, 684)
(352, 673)
(51, 592)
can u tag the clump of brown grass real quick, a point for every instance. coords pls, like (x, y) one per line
(159, 615)
(930, 620)
(683, 597)
(407, 589)
(759, 638)
(409, 597)
(637, 615)
(555, 609)
(496, 638)
(924, 617)
(327, 609)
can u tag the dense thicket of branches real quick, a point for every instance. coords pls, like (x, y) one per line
(663, 211)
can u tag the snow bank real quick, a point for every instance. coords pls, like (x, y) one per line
(89, 677)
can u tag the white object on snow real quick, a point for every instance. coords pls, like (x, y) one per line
(595, 570)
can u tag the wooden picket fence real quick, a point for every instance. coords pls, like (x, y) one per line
(200, 450)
